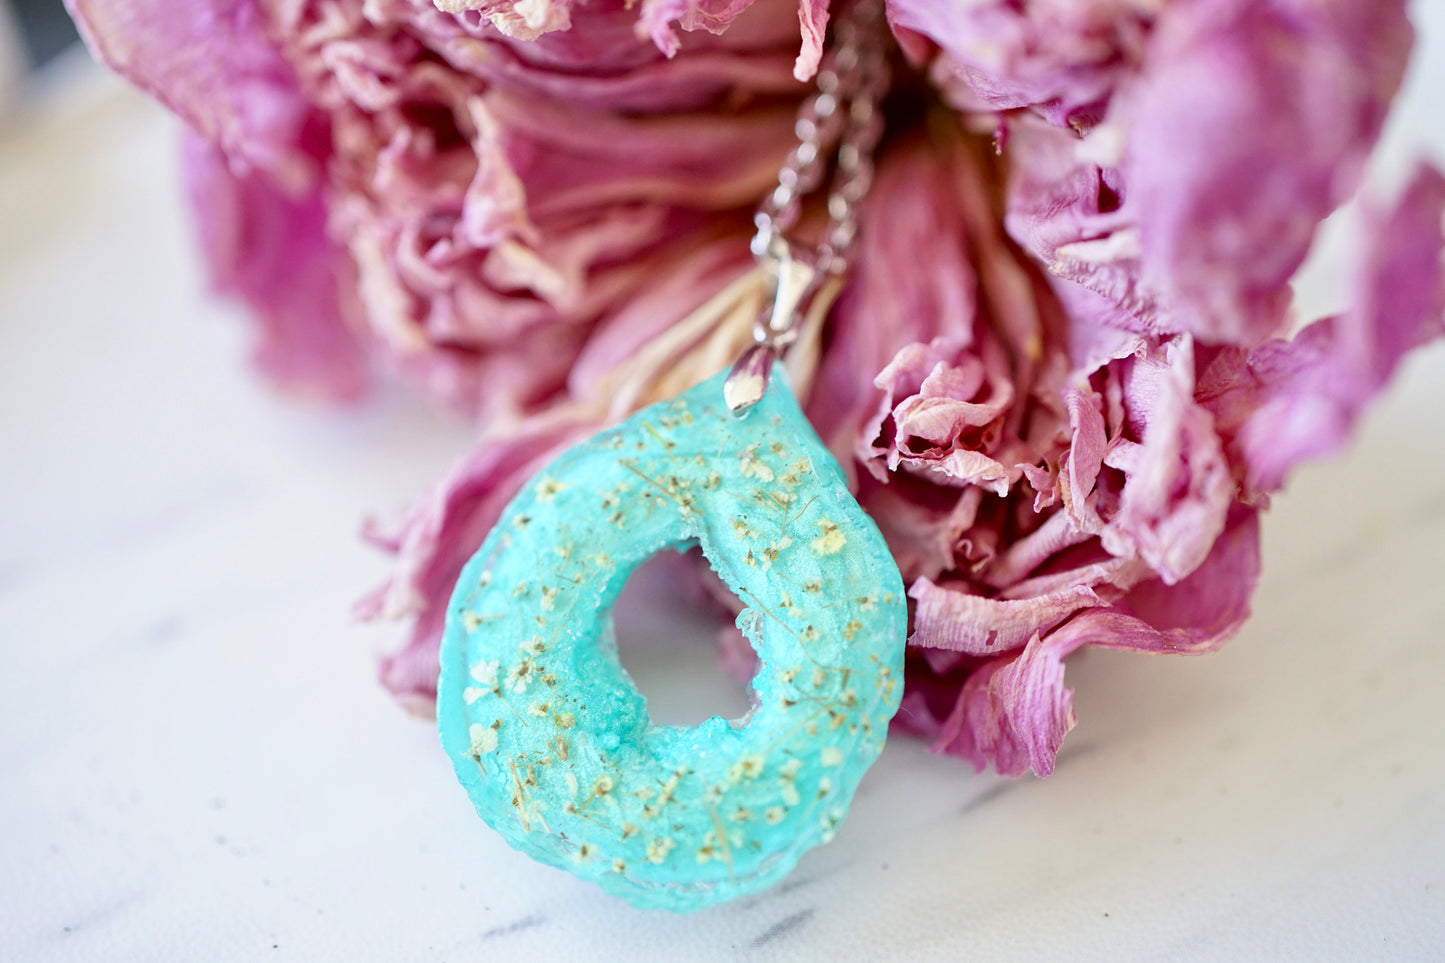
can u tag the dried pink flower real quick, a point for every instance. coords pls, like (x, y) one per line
(1058, 377)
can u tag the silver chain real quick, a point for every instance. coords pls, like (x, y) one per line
(842, 111)
(838, 127)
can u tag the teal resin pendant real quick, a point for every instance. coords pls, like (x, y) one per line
(547, 732)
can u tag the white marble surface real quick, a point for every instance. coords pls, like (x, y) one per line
(195, 762)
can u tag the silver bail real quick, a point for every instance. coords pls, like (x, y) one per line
(748, 381)
(795, 281)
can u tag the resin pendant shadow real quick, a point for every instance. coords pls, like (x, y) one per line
(544, 727)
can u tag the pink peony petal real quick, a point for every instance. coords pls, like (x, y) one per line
(1013, 712)
(1291, 400)
(1252, 123)
(1059, 57)
(922, 527)
(519, 19)
(942, 409)
(436, 538)
(914, 282)
(949, 616)
(1192, 203)
(1178, 487)
(212, 63)
(272, 251)
(813, 16)
(1084, 460)
(1199, 613)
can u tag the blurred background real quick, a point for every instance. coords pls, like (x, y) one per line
(32, 34)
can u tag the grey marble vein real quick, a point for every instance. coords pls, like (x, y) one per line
(783, 927)
(530, 921)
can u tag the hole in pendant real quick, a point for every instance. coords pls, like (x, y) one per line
(667, 640)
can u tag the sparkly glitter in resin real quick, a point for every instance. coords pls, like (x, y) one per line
(546, 730)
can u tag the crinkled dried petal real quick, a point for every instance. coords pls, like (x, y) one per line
(213, 64)
(1252, 124)
(1194, 201)
(1084, 460)
(1178, 486)
(658, 17)
(922, 524)
(1199, 613)
(1059, 57)
(1013, 712)
(1063, 207)
(943, 409)
(1287, 401)
(950, 616)
(439, 534)
(519, 19)
(913, 282)
(272, 251)
(813, 17)
(981, 730)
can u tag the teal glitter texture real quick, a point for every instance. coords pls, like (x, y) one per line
(546, 730)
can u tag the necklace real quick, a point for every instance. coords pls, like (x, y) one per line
(544, 728)
(843, 110)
